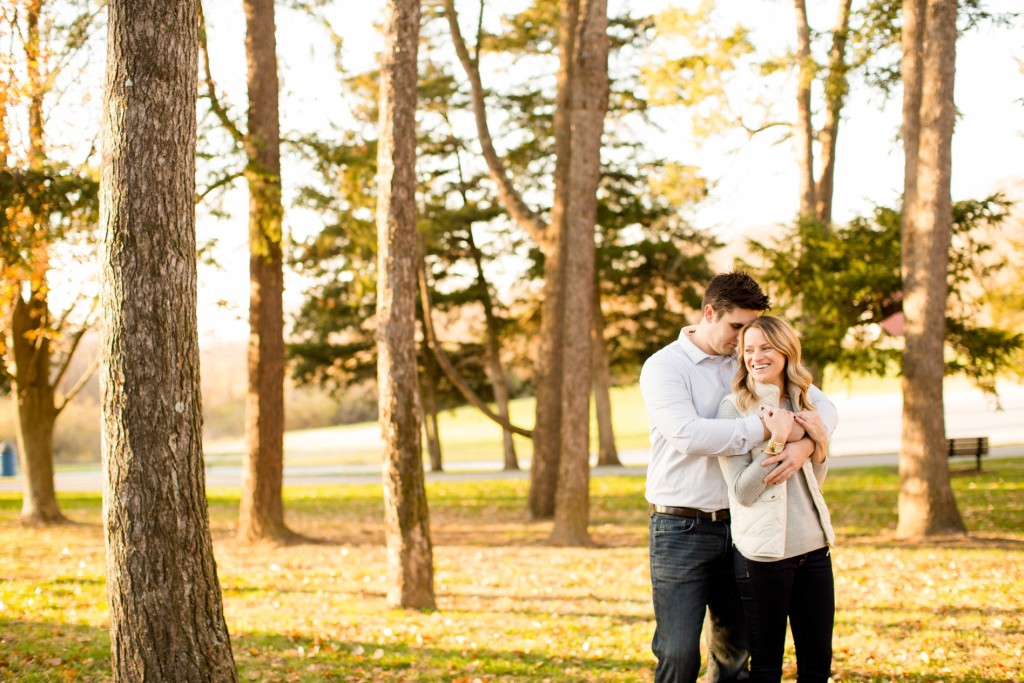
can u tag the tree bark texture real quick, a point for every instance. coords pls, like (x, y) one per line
(262, 507)
(406, 524)
(607, 452)
(926, 503)
(166, 615)
(588, 106)
(33, 395)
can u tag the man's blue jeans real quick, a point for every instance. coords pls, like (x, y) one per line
(692, 571)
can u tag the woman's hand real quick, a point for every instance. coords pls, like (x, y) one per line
(811, 422)
(779, 422)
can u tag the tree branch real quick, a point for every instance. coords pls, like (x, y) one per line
(510, 198)
(73, 391)
(225, 179)
(75, 340)
(211, 89)
(446, 364)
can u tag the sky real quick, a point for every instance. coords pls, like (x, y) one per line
(754, 181)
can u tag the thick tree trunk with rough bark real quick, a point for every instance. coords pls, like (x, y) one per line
(588, 106)
(166, 615)
(410, 563)
(607, 452)
(262, 507)
(926, 502)
(33, 395)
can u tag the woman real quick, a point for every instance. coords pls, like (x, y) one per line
(783, 534)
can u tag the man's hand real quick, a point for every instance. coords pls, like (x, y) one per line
(789, 461)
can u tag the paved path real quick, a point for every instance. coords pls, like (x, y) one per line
(868, 435)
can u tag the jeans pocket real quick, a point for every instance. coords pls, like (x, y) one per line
(662, 525)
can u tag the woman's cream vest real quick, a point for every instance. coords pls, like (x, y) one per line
(759, 529)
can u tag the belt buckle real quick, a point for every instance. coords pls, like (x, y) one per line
(714, 515)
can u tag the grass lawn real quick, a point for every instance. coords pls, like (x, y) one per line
(511, 608)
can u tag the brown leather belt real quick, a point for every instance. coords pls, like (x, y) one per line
(691, 513)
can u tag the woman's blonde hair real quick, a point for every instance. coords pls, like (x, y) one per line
(783, 338)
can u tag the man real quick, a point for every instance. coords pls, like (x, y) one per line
(690, 544)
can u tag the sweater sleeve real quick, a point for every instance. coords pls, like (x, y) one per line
(743, 472)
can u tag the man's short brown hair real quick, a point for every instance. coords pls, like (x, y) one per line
(728, 291)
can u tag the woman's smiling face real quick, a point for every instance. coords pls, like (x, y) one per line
(764, 362)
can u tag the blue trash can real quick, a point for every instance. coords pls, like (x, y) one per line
(8, 460)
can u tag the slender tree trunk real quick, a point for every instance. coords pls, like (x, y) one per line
(262, 506)
(926, 502)
(805, 127)
(589, 104)
(166, 615)
(406, 523)
(33, 396)
(430, 425)
(548, 376)
(33, 390)
(835, 95)
(495, 371)
(33, 60)
(607, 453)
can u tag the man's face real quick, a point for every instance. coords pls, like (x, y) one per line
(723, 331)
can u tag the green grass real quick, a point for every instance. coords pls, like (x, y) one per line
(511, 608)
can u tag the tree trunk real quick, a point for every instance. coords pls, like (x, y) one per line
(32, 388)
(835, 94)
(430, 426)
(33, 396)
(589, 104)
(406, 523)
(926, 502)
(805, 127)
(495, 372)
(548, 376)
(262, 506)
(166, 615)
(607, 453)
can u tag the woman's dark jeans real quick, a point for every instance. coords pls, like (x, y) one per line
(800, 588)
(691, 574)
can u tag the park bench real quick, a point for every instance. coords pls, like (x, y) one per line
(968, 445)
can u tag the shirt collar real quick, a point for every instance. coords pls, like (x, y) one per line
(694, 353)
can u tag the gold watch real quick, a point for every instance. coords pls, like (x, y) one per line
(774, 447)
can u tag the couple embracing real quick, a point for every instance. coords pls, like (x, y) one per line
(739, 527)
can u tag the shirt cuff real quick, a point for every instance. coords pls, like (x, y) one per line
(753, 430)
